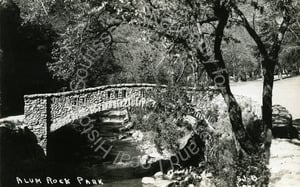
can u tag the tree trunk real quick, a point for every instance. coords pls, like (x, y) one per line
(268, 70)
(234, 110)
(268, 66)
(218, 73)
(235, 116)
(267, 97)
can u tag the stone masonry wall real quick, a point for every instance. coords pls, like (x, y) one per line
(46, 113)
(35, 111)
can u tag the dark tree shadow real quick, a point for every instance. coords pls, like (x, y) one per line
(26, 51)
(20, 156)
(288, 132)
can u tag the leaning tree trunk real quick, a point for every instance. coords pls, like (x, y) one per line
(235, 116)
(234, 110)
(268, 66)
(218, 73)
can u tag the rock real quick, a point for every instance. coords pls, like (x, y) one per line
(296, 124)
(158, 175)
(156, 155)
(187, 178)
(184, 140)
(191, 120)
(192, 153)
(128, 126)
(195, 175)
(162, 183)
(148, 180)
(281, 116)
(282, 123)
(137, 135)
(169, 175)
(121, 136)
(206, 180)
(288, 132)
(144, 159)
(191, 185)
(209, 175)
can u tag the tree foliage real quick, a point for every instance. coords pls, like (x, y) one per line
(169, 41)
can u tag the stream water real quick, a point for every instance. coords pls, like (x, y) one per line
(69, 156)
(85, 163)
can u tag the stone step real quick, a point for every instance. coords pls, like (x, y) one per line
(113, 119)
(114, 116)
(115, 113)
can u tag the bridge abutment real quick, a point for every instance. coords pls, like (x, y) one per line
(37, 118)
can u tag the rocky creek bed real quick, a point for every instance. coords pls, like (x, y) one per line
(132, 161)
(69, 155)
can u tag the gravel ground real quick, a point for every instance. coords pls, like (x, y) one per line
(286, 92)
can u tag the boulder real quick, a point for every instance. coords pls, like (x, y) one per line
(191, 120)
(158, 175)
(289, 132)
(148, 180)
(283, 123)
(281, 116)
(162, 183)
(296, 124)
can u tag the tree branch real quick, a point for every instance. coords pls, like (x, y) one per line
(252, 32)
(208, 20)
(294, 33)
(43, 6)
(182, 73)
(279, 38)
(219, 33)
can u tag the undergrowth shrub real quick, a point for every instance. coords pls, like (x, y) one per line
(162, 118)
(222, 152)
(252, 171)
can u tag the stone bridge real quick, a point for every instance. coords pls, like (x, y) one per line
(45, 113)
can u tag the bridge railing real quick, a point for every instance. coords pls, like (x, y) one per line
(46, 113)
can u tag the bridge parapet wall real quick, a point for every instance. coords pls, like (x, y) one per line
(46, 113)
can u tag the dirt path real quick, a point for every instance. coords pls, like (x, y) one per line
(286, 92)
(285, 163)
(285, 154)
